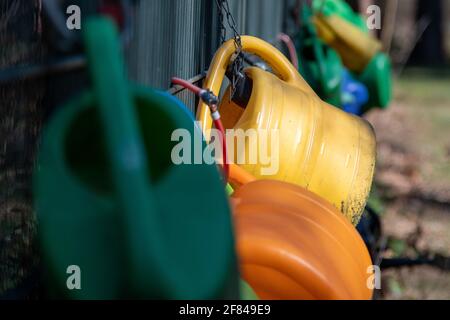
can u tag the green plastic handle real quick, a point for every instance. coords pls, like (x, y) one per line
(125, 149)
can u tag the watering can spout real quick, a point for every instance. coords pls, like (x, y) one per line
(124, 145)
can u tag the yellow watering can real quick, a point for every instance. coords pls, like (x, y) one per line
(355, 47)
(321, 148)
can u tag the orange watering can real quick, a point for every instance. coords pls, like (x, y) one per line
(292, 244)
(320, 147)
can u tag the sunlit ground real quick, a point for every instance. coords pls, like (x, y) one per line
(413, 181)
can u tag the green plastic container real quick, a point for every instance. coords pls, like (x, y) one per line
(319, 64)
(377, 77)
(110, 200)
(322, 67)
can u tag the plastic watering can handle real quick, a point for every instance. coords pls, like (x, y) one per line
(124, 146)
(281, 65)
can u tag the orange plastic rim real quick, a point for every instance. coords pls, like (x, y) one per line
(239, 176)
(292, 244)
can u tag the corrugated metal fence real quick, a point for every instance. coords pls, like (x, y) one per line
(179, 37)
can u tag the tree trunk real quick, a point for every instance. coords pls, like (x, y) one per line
(430, 49)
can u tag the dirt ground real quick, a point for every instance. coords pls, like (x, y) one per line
(412, 182)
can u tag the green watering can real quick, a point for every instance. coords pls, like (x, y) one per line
(323, 66)
(377, 77)
(111, 202)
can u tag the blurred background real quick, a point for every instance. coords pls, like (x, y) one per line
(411, 194)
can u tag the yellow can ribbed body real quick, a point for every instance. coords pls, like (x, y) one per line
(321, 148)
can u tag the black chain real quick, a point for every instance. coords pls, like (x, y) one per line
(237, 66)
(223, 30)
